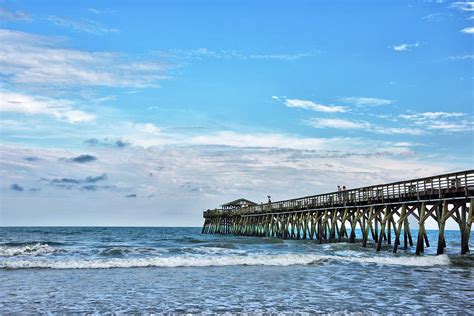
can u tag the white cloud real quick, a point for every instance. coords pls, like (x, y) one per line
(461, 57)
(418, 123)
(100, 11)
(83, 25)
(447, 122)
(362, 125)
(34, 105)
(14, 15)
(468, 30)
(267, 140)
(436, 17)
(366, 101)
(398, 130)
(432, 115)
(201, 53)
(145, 127)
(338, 123)
(463, 5)
(286, 57)
(310, 105)
(103, 99)
(404, 47)
(27, 58)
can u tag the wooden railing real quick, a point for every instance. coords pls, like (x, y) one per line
(459, 182)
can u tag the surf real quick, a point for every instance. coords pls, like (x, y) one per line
(217, 261)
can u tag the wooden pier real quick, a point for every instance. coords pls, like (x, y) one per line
(381, 212)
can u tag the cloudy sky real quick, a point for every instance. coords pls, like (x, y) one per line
(147, 113)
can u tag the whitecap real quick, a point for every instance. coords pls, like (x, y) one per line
(26, 250)
(228, 260)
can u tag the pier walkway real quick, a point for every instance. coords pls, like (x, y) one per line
(379, 211)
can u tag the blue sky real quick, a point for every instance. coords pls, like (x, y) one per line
(148, 112)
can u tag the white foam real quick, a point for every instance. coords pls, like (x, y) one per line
(207, 261)
(219, 251)
(26, 250)
(410, 260)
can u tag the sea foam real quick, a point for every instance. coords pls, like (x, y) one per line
(26, 250)
(231, 260)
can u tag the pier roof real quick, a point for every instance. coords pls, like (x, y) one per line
(238, 202)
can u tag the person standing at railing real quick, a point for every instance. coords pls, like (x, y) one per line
(344, 193)
(339, 190)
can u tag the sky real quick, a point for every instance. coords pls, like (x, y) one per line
(146, 113)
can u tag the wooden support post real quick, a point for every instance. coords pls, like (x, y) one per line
(276, 226)
(352, 221)
(382, 228)
(270, 226)
(332, 231)
(282, 223)
(204, 226)
(245, 226)
(320, 227)
(343, 224)
(389, 232)
(324, 226)
(406, 227)
(306, 226)
(398, 229)
(355, 219)
(302, 225)
(284, 228)
(273, 226)
(469, 217)
(218, 225)
(294, 220)
(376, 225)
(364, 223)
(441, 224)
(299, 225)
(421, 230)
(368, 225)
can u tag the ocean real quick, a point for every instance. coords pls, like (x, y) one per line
(179, 270)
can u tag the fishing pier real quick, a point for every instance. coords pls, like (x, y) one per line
(381, 212)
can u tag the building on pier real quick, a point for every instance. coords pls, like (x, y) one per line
(237, 204)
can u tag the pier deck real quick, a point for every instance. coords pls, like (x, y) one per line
(379, 211)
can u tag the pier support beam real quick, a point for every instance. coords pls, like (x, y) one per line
(468, 215)
(421, 230)
(441, 223)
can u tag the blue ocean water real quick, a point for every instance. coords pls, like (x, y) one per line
(179, 270)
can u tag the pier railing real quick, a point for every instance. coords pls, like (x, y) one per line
(458, 183)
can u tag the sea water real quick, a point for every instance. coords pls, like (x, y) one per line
(128, 270)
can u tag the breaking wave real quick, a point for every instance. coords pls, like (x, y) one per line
(26, 250)
(230, 260)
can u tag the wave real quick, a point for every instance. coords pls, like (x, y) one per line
(27, 250)
(190, 240)
(231, 260)
(30, 243)
(115, 252)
